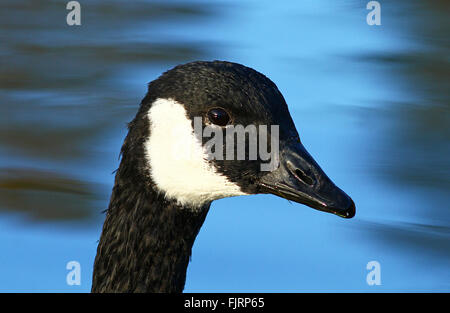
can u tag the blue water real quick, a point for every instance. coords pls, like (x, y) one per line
(370, 103)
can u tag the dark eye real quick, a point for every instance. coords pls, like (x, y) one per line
(218, 116)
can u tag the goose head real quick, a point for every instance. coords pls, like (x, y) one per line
(203, 123)
(204, 131)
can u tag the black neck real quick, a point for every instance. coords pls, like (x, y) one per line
(146, 240)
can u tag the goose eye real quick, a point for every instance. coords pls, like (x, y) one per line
(218, 116)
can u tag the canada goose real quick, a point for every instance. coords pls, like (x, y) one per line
(159, 201)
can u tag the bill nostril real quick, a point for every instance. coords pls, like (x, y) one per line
(303, 177)
(299, 174)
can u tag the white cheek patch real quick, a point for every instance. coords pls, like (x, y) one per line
(178, 162)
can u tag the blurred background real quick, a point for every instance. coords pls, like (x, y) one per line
(371, 104)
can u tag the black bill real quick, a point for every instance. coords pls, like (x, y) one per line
(299, 178)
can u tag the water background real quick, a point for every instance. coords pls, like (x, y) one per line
(371, 104)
